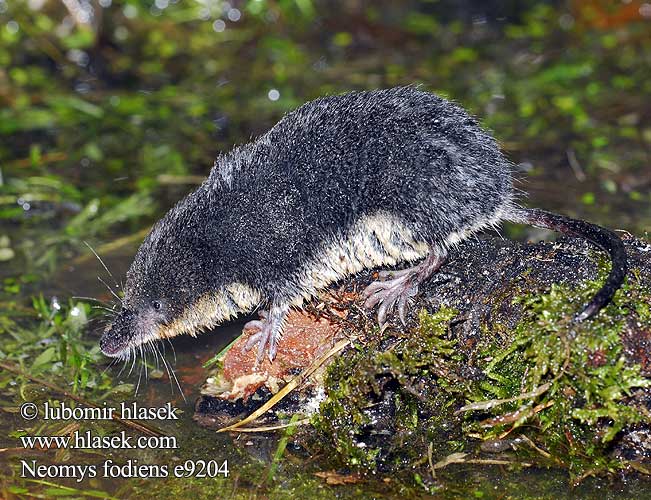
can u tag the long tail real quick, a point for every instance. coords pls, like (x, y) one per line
(600, 236)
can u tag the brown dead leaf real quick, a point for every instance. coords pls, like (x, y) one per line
(333, 478)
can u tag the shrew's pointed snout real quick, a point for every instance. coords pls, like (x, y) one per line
(117, 337)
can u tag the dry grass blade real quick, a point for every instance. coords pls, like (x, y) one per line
(536, 447)
(430, 459)
(293, 384)
(268, 428)
(460, 458)
(639, 467)
(486, 405)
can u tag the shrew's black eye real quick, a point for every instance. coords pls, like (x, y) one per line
(156, 304)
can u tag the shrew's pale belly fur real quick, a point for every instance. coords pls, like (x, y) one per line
(212, 309)
(378, 240)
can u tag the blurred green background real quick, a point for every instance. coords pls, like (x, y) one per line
(111, 110)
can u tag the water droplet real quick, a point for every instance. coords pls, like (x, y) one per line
(234, 15)
(121, 33)
(130, 11)
(566, 21)
(273, 95)
(219, 26)
(204, 13)
(78, 57)
(12, 27)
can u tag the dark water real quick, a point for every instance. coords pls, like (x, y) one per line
(103, 126)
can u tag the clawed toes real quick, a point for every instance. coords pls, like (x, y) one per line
(397, 288)
(271, 352)
(373, 300)
(405, 298)
(388, 294)
(253, 325)
(382, 312)
(257, 338)
(388, 302)
(373, 289)
(261, 339)
(266, 337)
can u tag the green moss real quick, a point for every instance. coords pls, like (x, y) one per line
(587, 379)
(562, 387)
(354, 417)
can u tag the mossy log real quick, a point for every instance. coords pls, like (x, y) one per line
(490, 364)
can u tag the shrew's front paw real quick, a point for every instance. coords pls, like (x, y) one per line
(269, 328)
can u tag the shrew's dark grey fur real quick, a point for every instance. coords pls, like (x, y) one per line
(340, 184)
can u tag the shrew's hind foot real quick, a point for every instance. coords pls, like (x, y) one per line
(399, 287)
(269, 328)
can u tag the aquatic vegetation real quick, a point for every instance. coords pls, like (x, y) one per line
(553, 392)
(377, 397)
(588, 383)
(50, 338)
